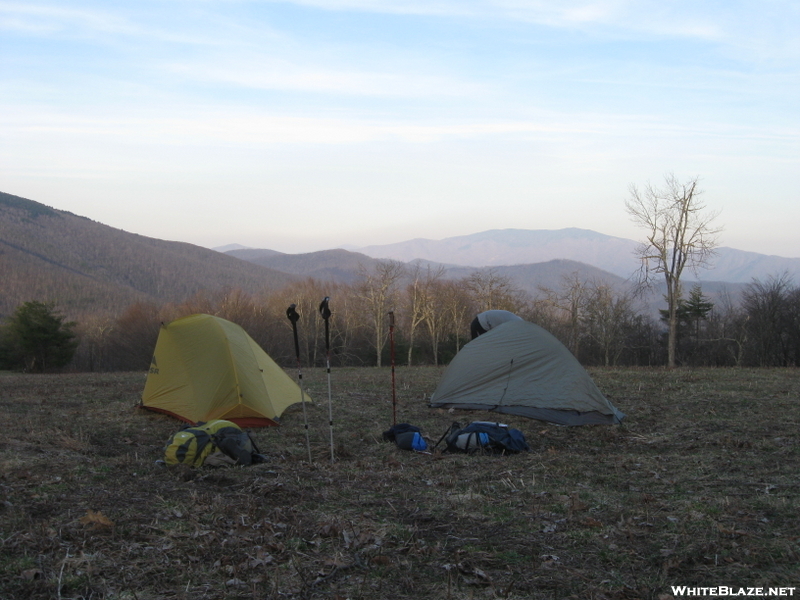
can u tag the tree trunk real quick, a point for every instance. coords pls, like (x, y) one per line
(673, 295)
(671, 340)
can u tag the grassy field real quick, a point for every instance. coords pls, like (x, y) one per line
(698, 487)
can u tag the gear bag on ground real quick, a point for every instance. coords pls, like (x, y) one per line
(484, 436)
(193, 445)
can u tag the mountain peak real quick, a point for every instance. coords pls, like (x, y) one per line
(503, 247)
(496, 247)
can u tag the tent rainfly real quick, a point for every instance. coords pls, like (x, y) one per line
(207, 368)
(518, 368)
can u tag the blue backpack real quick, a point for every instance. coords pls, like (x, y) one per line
(484, 436)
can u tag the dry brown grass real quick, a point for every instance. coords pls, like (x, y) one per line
(698, 487)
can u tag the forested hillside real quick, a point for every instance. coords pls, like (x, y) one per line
(84, 266)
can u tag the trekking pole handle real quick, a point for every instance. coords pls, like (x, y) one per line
(325, 311)
(294, 317)
(292, 313)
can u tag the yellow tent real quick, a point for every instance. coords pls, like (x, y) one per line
(207, 368)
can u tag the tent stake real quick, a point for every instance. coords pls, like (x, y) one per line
(294, 317)
(325, 311)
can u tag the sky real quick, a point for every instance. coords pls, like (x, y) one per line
(312, 124)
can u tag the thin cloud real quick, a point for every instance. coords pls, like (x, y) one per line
(201, 127)
(112, 26)
(55, 19)
(722, 22)
(266, 73)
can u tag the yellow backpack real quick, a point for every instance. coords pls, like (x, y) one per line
(192, 445)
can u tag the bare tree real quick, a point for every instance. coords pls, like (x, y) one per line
(456, 307)
(419, 298)
(678, 233)
(729, 324)
(608, 317)
(133, 337)
(377, 290)
(572, 298)
(435, 317)
(491, 290)
(771, 307)
(93, 332)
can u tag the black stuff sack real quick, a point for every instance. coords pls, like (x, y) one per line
(407, 437)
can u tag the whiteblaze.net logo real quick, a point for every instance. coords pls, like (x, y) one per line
(727, 591)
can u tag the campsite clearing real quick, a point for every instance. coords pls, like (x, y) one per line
(698, 487)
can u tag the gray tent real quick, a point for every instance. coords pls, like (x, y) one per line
(518, 368)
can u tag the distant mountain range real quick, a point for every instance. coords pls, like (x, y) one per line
(501, 247)
(85, 266)
(514, 251)
(343, 266)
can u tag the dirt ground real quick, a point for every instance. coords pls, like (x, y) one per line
(698, 487)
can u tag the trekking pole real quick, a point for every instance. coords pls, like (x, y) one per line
(391, 353)
(294, 317)
(325, 311)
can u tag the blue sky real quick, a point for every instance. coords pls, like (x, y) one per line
(306, 125)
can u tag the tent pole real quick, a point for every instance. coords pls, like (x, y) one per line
(508, 382)
(294, 317)
(325, 311)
